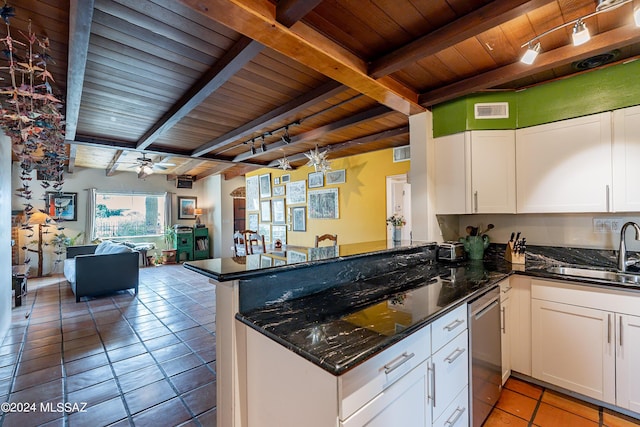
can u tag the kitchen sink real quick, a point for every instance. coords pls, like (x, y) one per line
(600, 274)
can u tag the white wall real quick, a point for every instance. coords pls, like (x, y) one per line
(220, 215)
(84, 178)
(6, 190)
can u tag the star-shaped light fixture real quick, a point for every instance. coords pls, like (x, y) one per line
(284, 163)
(318, 160)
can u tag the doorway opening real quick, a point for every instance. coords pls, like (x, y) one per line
(399, 203)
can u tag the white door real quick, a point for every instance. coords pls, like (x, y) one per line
(399, 203)
(628, 362)
(573, 347)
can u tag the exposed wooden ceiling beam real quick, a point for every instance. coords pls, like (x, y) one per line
(289, 109)
(257, 19)
(219, 168)
(73, 152)
(186, 167)
(480, 20)
(350, 144)
(600, 43)
(288, 12)
(352, 120)
(114, 162)
(243, 51)
(80, 17)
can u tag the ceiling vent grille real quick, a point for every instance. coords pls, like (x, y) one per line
(492, 110)
(401, 154)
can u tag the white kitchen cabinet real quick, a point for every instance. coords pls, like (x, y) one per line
(475, 172)
(565, 166)
(627, 358)
(450, 373)
(596, 324)
(626, 156)
(505, 326)
(520, 304)
(573, 348)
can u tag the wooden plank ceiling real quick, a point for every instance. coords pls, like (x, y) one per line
(195, 84)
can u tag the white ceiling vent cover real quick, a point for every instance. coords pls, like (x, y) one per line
(492, 110)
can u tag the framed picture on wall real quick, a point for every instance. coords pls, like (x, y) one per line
(316, 179)
(253, 222)
(323, 204)
(277, 207)
(299, 218)
(265, 185)
(252, 194)
(61, 205)
(296, 192)
(285, 178)
(278, 190)
(335, 177)
(265, 211)
(265, 230)
(279, 232)
(187, 207)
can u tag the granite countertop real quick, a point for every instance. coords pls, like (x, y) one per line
(343, 326)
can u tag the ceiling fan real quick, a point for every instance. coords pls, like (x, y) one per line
(145, 166)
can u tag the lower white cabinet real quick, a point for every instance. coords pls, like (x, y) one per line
(450, 373)
(506, 325)
(519, 323)
(587, 340)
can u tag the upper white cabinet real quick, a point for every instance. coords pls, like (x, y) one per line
(626, 156)
(565, 166)
(475, 172)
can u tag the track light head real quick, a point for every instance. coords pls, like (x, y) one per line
(531, 53)
(580, 33)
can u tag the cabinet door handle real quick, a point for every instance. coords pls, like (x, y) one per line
(608, 328)
(475, 201)
(451, 326)
(453, 356)
(504, 322)
(608, 198)
(396, 363)
(620, 318)
(433, 384)
(455, 416)
(507, 289)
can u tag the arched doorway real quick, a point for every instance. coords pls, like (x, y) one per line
(239, 208)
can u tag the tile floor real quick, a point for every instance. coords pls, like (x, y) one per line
(522, 404)
(151, 361)
(134, 361)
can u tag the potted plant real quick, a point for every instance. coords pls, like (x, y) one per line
(169, 254)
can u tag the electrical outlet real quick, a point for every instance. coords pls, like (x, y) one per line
(607, 225)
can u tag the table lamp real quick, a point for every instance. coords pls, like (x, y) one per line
(198, 212)
(40, 219)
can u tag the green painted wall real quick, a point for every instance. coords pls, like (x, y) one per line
(589, 93)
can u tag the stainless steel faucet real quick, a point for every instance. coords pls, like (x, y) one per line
(622, 252)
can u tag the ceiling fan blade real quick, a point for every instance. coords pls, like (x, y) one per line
(165, 164)
(159, 167)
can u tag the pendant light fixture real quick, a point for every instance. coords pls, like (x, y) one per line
(531, 53)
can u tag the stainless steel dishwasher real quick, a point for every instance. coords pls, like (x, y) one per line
(485, 357)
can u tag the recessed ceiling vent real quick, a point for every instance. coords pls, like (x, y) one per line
(596, 61)
(608, 4)
(491, 110)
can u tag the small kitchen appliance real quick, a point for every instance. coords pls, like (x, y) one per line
(451, 251)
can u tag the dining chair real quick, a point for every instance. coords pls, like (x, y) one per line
(331, 237)
(254, 242)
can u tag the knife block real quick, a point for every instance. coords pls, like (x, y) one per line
(511, 255)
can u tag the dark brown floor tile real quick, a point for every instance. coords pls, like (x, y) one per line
(136, 379)
(88, 378)
(151, 333)
(193, 333)
(8, 360)
(52, 389)
(126, 352)
(207, 355)
(81, 352)
(523, 387)
(209, 418)
(33, 365)
(86, 363)
(95, 394)
(150, 395)
(516, 404)
(614, 419)
(37, 417)
(194, 378)
(120, 341)
(569, 404)
(107, 412)
(201, 399)
(550, 416)
(6, 371)
(41, 342)
(132, 364)
(44, 333)
(38, 352)
(171, 352)
(161, 342)
(37, 377)
(80, 333)
(181, 364)
(5, 386)
(169, 413)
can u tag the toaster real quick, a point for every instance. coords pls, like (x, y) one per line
(451, 251)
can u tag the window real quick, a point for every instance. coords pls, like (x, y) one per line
(129, 215)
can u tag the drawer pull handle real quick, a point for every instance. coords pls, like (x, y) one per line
(455, 416)
(453, 356)
(451, 326)
(507, 289)
(396, 363)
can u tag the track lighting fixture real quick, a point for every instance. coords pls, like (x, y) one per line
(580, 33)
(531, 53)
(253, 147)
(285, 136)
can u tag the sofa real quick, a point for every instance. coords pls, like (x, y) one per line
(95, 270)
